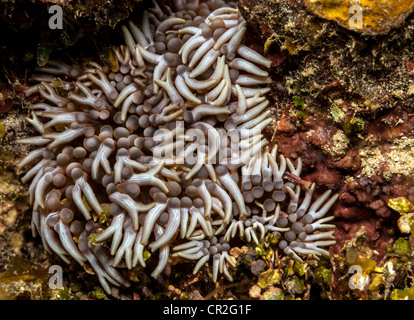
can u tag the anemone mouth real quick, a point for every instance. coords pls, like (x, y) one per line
(170, 146)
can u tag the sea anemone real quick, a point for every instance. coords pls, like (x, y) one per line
(169, 147)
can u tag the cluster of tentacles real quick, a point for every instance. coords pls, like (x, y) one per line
(165, 154)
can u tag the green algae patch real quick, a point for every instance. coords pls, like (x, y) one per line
(300, 268)
(268, 278)
(323, 276)
(23, 280)
(273, 293)
(366, 264)
(401, 205)
(2, 131)
(401, 247)
(296, 285)
(300, 107)
(407, 294)
(66, 294)
(99, 294)
(354, 125)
